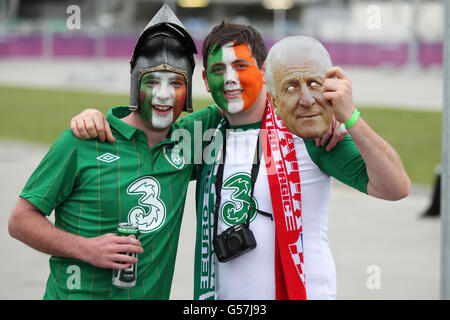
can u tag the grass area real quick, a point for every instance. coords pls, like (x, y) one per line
(40, 115)
(415, 135)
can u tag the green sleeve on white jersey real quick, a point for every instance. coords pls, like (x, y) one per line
(343, 162)
(209, 117)
(198, 123)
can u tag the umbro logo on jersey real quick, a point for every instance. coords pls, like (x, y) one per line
(108, 157)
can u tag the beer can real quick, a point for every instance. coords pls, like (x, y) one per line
(126, 278)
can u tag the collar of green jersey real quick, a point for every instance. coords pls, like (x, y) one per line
(114, 116)
(248, 126)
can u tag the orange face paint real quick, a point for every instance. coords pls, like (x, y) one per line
(234, 78)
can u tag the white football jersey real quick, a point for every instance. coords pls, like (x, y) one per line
(252, 275)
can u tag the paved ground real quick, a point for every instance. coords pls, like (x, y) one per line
(383, 250)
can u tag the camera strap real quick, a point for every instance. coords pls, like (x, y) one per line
(253, 177)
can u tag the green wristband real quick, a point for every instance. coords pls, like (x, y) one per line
(350, 122)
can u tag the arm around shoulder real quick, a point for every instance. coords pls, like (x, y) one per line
(90, 124)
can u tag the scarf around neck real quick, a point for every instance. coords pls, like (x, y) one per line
(285, 190)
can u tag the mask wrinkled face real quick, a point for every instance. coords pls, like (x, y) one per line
(298, 82)
(162, 98)
(233, 77)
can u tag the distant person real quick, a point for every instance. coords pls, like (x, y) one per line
(434, 209)
(141, 178)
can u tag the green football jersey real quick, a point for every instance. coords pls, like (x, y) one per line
(93, 186)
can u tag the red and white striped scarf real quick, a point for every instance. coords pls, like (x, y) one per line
(285, 190)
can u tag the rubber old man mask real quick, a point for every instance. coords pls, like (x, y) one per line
(233, 77)
(296, 69)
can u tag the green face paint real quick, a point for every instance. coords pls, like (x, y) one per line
(215, 75)
(233, 77)
(145, 98)
(162, 98)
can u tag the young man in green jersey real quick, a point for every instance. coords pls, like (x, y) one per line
(141, 178)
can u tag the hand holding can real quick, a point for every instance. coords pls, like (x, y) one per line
(126, 278)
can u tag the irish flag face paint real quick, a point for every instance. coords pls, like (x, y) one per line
(233, 77)
(162, 98)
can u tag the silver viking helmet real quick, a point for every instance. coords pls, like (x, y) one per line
(163, 45)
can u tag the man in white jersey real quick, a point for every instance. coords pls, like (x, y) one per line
(235, 78)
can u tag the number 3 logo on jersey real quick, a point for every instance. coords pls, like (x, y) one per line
(235, 210)
(151, 212)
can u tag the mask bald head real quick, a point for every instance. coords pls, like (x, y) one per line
(295, 73)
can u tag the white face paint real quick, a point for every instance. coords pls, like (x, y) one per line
(163, 98)
(232, 84)
(162, 121)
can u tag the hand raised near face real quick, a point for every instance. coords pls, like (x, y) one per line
(337, 89)
(90, 124)
(336, 132)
